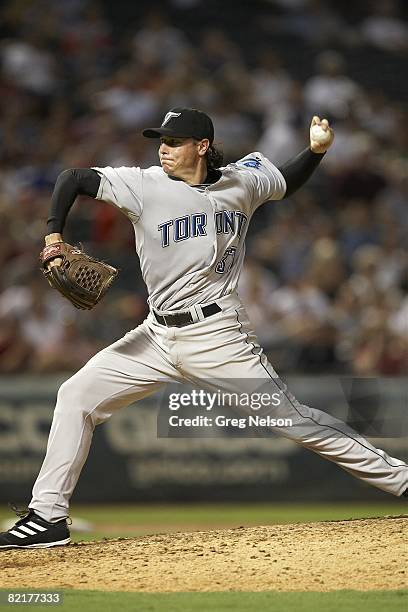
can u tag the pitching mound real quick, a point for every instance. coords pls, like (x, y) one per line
(358, 554)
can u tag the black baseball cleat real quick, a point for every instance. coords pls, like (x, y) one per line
(32, 531)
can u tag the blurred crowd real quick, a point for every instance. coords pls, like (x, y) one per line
(326, 281)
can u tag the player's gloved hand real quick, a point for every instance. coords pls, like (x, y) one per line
(82, 279)
(321, 135)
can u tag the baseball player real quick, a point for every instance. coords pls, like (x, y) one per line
(190, 218)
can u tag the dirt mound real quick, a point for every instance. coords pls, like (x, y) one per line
(358, 554)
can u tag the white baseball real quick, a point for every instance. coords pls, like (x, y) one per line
(320, 135)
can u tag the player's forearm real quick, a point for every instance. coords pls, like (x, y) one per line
(299, 169)
(70, 184)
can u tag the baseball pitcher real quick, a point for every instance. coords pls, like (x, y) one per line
(190, 216)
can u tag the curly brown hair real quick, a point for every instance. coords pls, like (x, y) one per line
(214, 158)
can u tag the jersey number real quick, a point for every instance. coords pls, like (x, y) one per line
(227, 261)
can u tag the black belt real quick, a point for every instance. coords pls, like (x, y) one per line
(184, 318)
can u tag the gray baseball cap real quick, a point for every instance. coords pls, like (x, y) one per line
(183, 123)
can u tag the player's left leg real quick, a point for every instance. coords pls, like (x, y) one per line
(122, 373)
(223, 352)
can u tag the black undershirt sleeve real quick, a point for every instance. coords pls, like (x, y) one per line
(70, 184)
(298, 170)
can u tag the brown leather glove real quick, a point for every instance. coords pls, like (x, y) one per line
(82, 279)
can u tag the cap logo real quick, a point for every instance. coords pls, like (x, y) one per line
(169, 116)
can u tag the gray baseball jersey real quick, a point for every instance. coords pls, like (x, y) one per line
(190, 240)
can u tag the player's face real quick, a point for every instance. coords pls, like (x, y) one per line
(180, 155)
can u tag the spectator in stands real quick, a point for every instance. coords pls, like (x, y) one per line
(283, 136)
(159, 42)
(330, 91)
(15, 352)
(384, 28)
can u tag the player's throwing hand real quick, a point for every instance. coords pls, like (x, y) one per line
(321, 135)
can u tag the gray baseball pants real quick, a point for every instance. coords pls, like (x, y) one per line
(220, 347)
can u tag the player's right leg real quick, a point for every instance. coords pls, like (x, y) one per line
(223, 353)
(124, 372)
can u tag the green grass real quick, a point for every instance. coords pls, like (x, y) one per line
(335, 601)
(135, 520)
(208, 514)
